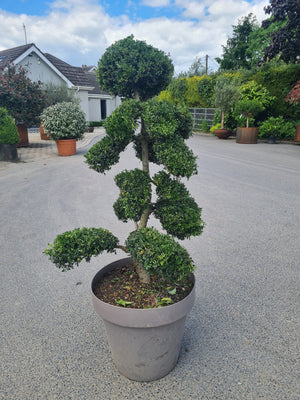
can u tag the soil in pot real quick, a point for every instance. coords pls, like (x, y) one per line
(122, 287)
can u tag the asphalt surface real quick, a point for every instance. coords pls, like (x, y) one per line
(242, 337)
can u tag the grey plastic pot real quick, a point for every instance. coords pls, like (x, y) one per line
(145, 343)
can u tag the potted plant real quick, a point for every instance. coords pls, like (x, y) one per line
(8, 137)
(56, 94)
(153, 288)
(248, 108)
(293, 98)
(23, 99)
(226, 94)
(65, 123)
(271, 129)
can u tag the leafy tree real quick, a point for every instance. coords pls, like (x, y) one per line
(58, 94)
(255, 99)
(285, 40)
(226, 94)
(157, 131)
(23, 98)
(259, 40)
(249, 108)
(130, 69)
(205, 90)
(278, 78)
(235, 53)
(197, 68)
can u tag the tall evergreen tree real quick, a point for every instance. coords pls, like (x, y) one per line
(286, 40)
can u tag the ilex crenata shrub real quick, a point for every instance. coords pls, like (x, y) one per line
(158, 131)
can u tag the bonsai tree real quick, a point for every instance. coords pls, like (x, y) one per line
(64, 121)
(249, 108)
(157, 130)
(8, 129)
(226, 94)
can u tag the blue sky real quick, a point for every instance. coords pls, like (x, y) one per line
(135, 9)
(79, 31)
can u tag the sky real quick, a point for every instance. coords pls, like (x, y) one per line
(79, 31)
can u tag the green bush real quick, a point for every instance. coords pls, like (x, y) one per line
(214, 127)
(8, 129)
(95, 123)
(64, 121)
(204, 126)
(278, 128)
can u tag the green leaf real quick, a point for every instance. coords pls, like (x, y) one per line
(124, 303)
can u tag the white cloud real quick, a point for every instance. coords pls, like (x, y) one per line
(156, 3)
(79, 31)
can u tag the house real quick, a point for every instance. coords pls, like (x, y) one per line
(44, 67)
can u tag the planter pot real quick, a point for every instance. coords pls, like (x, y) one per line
(44, 135)
(223, 133)
(91, 129)
(272, 140)
(8, 152)
(297, 135)
(145, 343)
(247, 135)
(66, 147)
(23, 135)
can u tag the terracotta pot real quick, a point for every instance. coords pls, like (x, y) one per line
(66, 147)
(297, 135)
(23, 135)
(91, 129)
(247, 135)
(223, 133)
(145, 343)
(44, 135)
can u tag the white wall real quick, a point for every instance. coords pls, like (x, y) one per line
(38, 70)
(84, 102)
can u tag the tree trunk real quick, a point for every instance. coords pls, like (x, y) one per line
(142, 273)
(222, 120)
(247, 124)
(145, 161)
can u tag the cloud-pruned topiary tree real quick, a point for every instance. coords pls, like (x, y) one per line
(157, 130)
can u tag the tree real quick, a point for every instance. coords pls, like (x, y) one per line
(197, 68)
(23, 98)
(226, 94)
(286, 40)
(58, 94)
(157, 131)
(235, 53)
(130, 69)
(259, 40)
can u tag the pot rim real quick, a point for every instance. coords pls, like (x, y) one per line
(140, 318)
